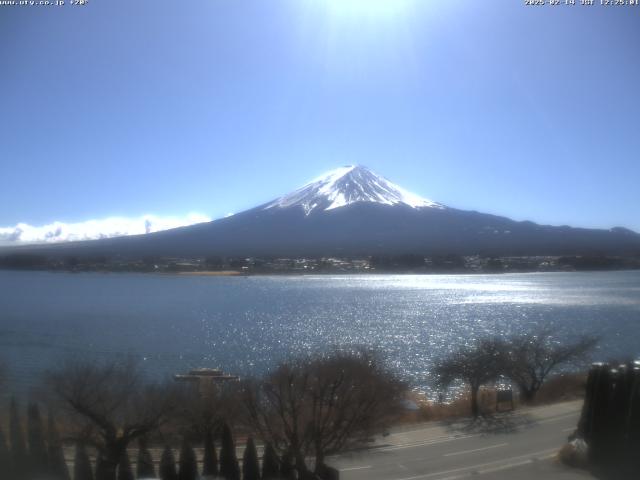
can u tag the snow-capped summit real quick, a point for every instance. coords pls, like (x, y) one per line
(347, 185)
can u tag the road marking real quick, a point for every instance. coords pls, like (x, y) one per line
(355, 468)
(434, 441)
(475, 450)
(513, 462)
(558, 418)
(570, 429)
(507, 466)
(433, 426)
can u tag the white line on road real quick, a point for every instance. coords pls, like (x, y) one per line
(558, 418)
(501, 467)
(511, 462)
(475, 450)
(517, 464)
(424, 444)
(355, 468)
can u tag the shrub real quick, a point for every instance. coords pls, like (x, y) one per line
(168, 465)
(82, 465)
(286, 469)
(124, 468)
(270, 464)
(250, 465)
(188, 463)
(229, 469)
(210, 460)
(145, 467)
(103, 469)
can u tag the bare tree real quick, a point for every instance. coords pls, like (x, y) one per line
(113, 404)
(530, 358)
(201, 415)
(323, 405)
(474, 365)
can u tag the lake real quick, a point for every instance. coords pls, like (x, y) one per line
(247, 324)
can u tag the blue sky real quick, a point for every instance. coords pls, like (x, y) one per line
(165, 108)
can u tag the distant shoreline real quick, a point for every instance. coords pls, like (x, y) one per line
(235, 273)
(209, 273)
(412, 264)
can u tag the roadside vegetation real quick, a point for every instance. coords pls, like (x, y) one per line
(107, 421)
(300, 413)
(527, 361)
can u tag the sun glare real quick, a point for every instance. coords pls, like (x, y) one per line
(366, 8)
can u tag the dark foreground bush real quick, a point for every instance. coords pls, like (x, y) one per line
(229, 469)
(168, 465)
(270, 464)
(210, 459)
(124, 468)
(188, 464)
(82, 465)
(250, 465)
(145, 468)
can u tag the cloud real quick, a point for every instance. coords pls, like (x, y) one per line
(56, 232)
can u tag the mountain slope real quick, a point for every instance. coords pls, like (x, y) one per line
(352, 211)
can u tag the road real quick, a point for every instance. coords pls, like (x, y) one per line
(521, 446)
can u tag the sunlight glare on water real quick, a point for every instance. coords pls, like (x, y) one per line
(246, 325)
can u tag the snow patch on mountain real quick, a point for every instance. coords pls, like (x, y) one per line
(348, 185)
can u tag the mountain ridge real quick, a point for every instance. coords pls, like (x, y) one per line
(351, 211)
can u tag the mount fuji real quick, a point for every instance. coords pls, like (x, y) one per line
(346, 186)
(352, 211)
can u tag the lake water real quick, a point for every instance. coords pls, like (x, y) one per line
(247, 324)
